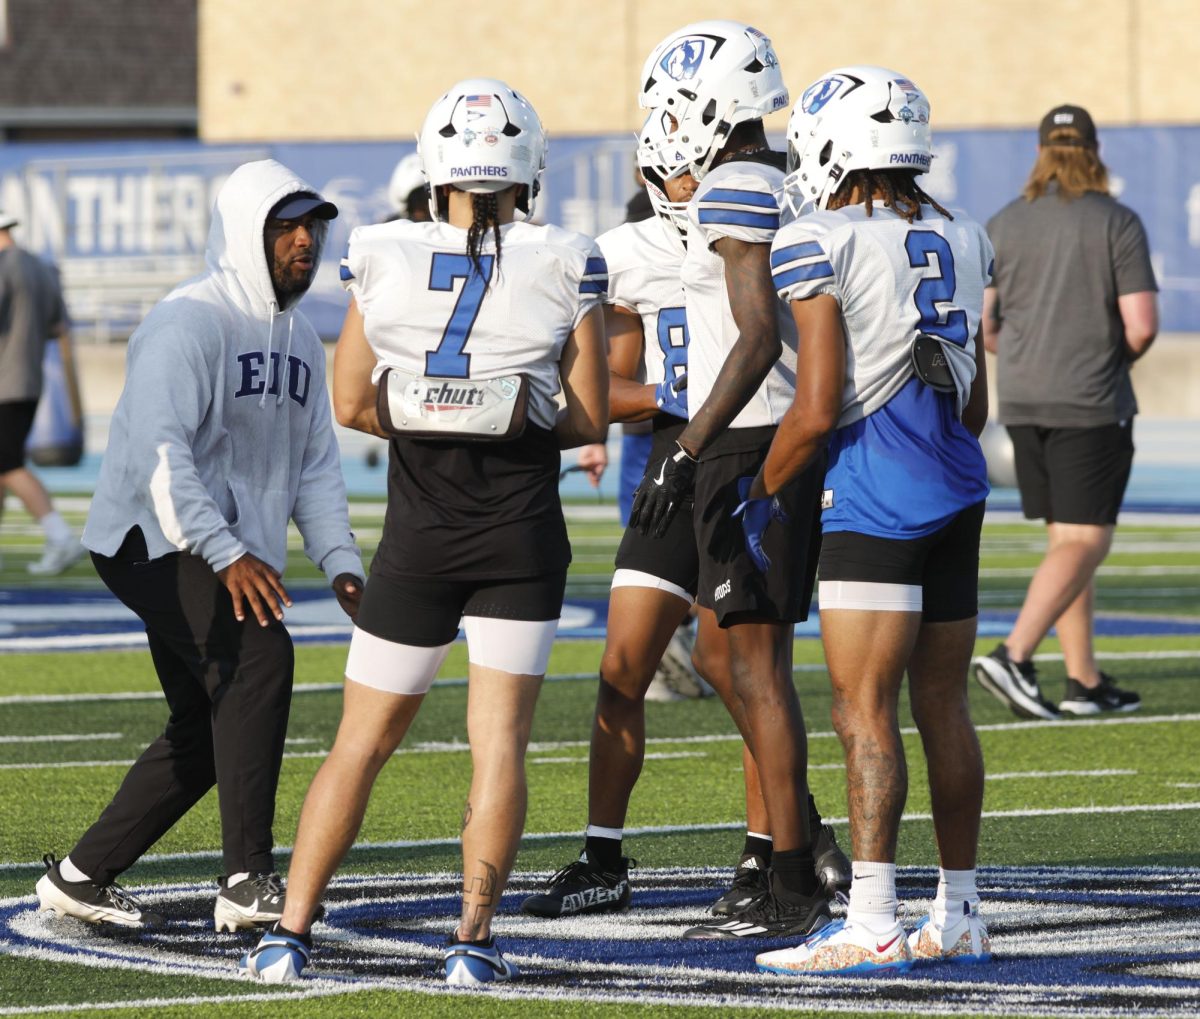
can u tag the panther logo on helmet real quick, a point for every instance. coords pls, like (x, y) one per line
(819, 93)
(683, 60)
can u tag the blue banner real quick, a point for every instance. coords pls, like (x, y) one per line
(126, 221)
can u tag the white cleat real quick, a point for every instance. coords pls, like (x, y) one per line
(964, 940)
(840, 948)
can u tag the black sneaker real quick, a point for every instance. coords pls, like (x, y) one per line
(1014, 683)
(1083, 700)
(750, 880)
(90, 902)
(256, 901)
(833, 867)
(776, 913)
(583, 887)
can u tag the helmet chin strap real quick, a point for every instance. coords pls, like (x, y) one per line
(832, 181)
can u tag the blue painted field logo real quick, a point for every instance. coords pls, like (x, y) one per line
(1067, 942)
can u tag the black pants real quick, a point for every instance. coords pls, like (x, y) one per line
(229, 687)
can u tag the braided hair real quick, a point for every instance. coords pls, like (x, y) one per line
(485, 213)
(899, 188)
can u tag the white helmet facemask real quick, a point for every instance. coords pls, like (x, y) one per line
(482, 136)
(658, 165)
(854, 118)
(711, 76)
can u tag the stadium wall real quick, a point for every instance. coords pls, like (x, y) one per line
(369, 69)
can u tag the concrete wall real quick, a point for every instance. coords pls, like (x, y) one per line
(369, 69)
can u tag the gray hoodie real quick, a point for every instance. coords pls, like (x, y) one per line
(223, 432)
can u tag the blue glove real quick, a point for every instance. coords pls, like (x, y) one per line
(671, 396)
(756, 514)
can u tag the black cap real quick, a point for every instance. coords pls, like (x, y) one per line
(303, 203)
(1075, 118)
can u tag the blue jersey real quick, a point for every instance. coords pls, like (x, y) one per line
(901, 463)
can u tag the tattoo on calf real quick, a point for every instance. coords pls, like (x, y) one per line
(466, 815)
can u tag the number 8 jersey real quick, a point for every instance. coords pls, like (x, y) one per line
(461, 509)
(901, 462)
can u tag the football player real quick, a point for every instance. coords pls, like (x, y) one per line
(461, 333)
(713, 82)
(886, 290)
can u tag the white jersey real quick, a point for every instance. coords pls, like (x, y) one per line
(893, 281)
(643, 277)
(426, 312)
(738, 200)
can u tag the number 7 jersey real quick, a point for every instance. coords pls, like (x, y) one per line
(427, 312)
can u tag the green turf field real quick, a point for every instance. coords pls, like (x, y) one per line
(1086, 795)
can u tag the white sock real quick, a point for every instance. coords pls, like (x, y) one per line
(873, 897)
(955, 887)
(57, 531)
(236, 879)
(595, 831)
(72, 873)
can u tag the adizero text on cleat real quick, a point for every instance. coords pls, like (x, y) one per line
(583, 887)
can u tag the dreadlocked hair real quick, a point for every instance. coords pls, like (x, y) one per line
(899, 189)
(485, 213)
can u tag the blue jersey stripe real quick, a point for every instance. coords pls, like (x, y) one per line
(806, 249)
(599, 287)
(737, 196)
(345, 272)
(815, 271)
(763, 220)
(596, 266)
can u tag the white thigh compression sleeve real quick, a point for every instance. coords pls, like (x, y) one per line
(639, 578)
(510, 645)
(869, 596)
(394, 668)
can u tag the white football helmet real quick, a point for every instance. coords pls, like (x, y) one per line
(482, 136)
(406, 178)
(659, 162)
(854, 118)
(710, 76)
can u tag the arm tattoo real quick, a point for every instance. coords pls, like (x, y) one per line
(754, 304)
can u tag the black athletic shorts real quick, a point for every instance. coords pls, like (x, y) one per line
(425, 612)
(729, 581)
(938, 572)
(16, 420)
(1072, 475)
(671, 558)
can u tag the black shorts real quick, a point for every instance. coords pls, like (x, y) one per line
(937, 575)
(16, 421)
(1072, 475)
(729, 582)
(672, 559)
(426, 612)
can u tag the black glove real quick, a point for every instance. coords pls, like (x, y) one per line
(347, 588)
(664, 488)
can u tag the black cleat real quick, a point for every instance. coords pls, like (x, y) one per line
(91, 902)
(1083, 700)
(833, 868)
(750, 880)
(1014, 684)
(583, 887)
(774, 914)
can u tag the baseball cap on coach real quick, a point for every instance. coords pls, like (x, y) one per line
(1074, 117)
(302, 203)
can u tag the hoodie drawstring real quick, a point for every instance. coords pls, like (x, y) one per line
(284, 364)
(262, 400)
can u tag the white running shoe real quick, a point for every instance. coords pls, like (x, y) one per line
(58, 557)
(677, 671)
(964, 940)
(841, 948)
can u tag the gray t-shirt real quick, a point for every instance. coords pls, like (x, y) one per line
(1060, 267)
(31, 310)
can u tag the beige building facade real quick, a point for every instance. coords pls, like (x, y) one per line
(369, 69)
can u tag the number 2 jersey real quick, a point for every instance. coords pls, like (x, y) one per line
(901, 462)
(458, 508)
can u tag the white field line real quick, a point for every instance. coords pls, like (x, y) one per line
(1109, 571)
(458, 747)
(146, 1005)
(648, 757)
(66, 737)
(1100, 773)
(664, 829)
(565, 677)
